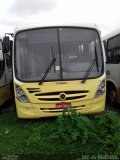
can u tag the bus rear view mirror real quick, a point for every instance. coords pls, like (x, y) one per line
(6, 44)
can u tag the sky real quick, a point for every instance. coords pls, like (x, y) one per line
(104, 13)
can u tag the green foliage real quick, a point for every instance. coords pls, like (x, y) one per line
(40, 133)
(70, 134)
(72, 127)
(102, 131)
(108, 131)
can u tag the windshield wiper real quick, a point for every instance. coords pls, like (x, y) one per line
(48, 68)
(88, 70)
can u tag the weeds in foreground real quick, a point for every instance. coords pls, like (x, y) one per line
(70, 133)
(72, 128)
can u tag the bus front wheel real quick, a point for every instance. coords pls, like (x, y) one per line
(112, 95)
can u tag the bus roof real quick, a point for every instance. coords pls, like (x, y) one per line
(111, 34)
(87, 25)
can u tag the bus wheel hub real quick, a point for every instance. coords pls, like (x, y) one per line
(113, 96)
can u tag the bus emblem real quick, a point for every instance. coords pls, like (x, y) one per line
(62, 96)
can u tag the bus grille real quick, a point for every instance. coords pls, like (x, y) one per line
(55, 110)
(55, 96)
(33, 90)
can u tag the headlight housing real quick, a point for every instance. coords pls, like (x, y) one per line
(21, 96)
(101, 89)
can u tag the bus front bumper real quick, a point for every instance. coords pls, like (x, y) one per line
(35, 110)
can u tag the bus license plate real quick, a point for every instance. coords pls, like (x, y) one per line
(63, 105)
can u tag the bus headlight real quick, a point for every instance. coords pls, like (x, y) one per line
(101, 89)
(21, 96)
(19, 91)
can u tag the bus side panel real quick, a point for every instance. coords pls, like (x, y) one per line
(5, 84)
(4, 93)
(111, 70)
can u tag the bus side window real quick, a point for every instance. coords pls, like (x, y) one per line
(117, 49)
(109, 51)
(113, 50)
(2, 62)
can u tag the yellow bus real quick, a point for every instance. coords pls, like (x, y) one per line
(56, 67)
(5, 74)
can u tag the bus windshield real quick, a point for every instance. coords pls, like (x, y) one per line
(72, 48)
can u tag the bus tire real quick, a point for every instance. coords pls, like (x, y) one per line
(112, 95)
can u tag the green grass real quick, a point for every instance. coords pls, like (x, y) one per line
(49, 138)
